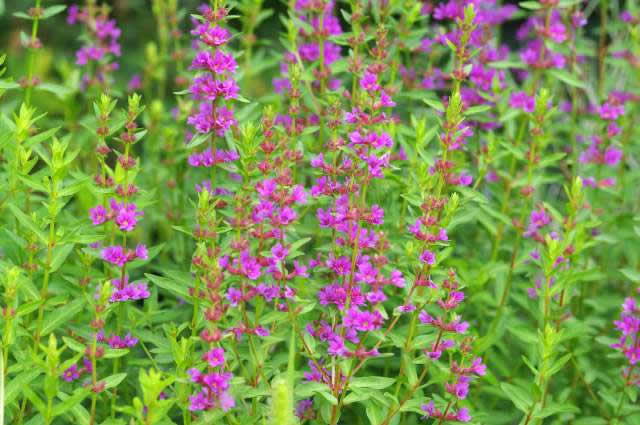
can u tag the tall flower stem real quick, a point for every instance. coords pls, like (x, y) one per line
(32, 55)
(47, 265)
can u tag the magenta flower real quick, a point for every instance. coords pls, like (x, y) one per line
(612, 156)
(629, 327)
(609, 111)
(141, 252)
(215, 357)
(520, 100)
(126, 216)
(98, 215)
(71, 373)
(428, 257)
(279, 252)
(369, 82)
(114, 255)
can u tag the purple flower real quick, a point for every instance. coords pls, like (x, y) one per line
(428, 257)
(212, 36)
(141, 251)
(215, 357)
(279, 252)
(89, 53)
(234, 296)
(127, 342)
(610, 112)
(98, 215)
(304, 409)
(463, 415)
(520, 100)
(629, 327)
(612, 156)
(135, 83)
(369, 82)
(114, 255)
(126, 215)
(71, 373)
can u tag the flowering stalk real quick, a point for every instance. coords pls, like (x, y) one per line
(34, 44)
(102, 45)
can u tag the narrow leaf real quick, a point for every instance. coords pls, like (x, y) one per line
(62, 315)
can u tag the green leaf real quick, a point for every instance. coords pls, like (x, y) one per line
(23, 379)
(559, 364)
(374, 413)
(1, 390)
(632, 275)
(310, 130)
(40, 137)
(6, 85)
(28, 223)
(179, 289)
(73, 188)
(531, 5)
(554, 409)
(34, 399)
(52, 11)
(60, 91)
(73, 344)
(506, 65)
(60, 254)
(78, 411)
(114, 380)
(197, 140)
(520, 398)
(434, 103)
(112, 353)
(477, 109)
(62, 315)
(33, 183)
(374, 382)
(357, 394)
(309, 388)
(68, 403)
(22, 15)
(567, 78)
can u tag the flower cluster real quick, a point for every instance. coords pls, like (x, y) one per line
(214, 86)
(214, 386)
(450, 323)
(103, 43)
(629, 343)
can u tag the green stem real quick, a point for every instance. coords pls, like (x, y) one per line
(47, 266)
(34, 37)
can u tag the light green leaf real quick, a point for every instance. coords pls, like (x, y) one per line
(517, 395)
(23, 379)
(52, 11)
(179, 289)
(531, 5)
(40, 137)
(68, 403)
(374, 382)
(632, 275)
(6, 85)
(62, 315)
(27, 222)
(60, 254)
(1, 390)
(78, 411)
(434, 103)
(567, 78)
(114, 380)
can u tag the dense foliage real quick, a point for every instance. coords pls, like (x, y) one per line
(373, 212)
